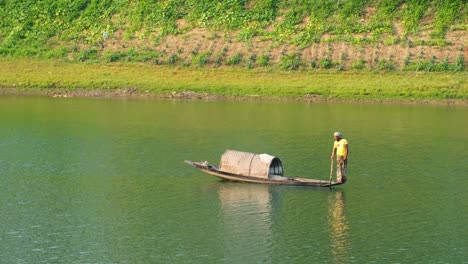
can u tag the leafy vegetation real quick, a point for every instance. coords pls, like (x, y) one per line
(121, 30)
(234, 60)
(263, 60)
(291, 61)
(201, 59)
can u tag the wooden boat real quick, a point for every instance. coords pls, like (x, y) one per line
(254, 168)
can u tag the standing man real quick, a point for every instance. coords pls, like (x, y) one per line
(341, 150)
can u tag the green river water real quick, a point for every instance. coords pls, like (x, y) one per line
(103, 181)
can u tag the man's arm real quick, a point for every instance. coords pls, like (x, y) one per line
(333, 153)
(347, 152)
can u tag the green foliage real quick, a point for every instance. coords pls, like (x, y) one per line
(132, 56)
(433, 65)
(172, 59)
(325, 63)
(388, 8)
(444, 65)
(413, 13)
(113, 56)
(359, 64)
(308, 36)
(263, 60)
(246, 34)
(218, 58)
(313, 64)
(291, 62)
(250, 61)
(50, 28)
(87, 54)
(234, 60)
(151, 56)
(447, 12)
(384, 65)
(391, 41)
(56, 53)
(232, 14)
(460, 63)
(201, 59)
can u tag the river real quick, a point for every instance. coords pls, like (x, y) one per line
(103, 181)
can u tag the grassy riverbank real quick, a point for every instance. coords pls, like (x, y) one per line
(308, 50)
(131, 79)
(423, 35)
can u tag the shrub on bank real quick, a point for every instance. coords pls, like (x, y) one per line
(358, 65)
(235, 59)
(325, 63)
(263, 60)
(433, 66)
(201, 59)
(172, 59)
(87, 54)
(291, 62)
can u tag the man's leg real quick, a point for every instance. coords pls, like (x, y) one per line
(344, 170)
(339, 168)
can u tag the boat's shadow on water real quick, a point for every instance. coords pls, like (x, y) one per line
(254, 208)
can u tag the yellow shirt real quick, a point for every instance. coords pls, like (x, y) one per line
(340, 147)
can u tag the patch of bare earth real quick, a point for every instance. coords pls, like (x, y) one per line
(197, 40)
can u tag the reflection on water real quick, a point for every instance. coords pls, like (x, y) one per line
(339, 239)
(246, 214)
(103, 181)
(247, 211)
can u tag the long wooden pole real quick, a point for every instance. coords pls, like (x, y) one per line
(331, 174)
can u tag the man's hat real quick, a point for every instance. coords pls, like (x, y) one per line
(338, 134)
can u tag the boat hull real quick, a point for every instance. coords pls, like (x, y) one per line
(214, 171)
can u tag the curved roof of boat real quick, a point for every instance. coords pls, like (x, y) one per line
(250, 164)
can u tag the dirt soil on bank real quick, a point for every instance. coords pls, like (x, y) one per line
(200, 40)
(190, 95)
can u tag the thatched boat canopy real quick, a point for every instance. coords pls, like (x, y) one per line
(250, 164)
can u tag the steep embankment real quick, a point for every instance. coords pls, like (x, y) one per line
(312, 50)
(426, 35)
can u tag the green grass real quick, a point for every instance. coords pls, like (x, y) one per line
(38, 37)
(44, 76)
(35, 28)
